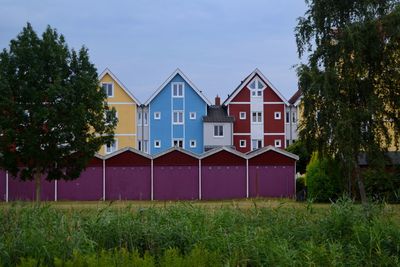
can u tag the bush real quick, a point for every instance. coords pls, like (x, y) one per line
(298, 148)
(383, 185)
(323, 179)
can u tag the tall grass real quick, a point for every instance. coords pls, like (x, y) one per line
(186, 235)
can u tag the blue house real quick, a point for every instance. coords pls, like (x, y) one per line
(176, 111)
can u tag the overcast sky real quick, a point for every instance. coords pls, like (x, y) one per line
(216, 43)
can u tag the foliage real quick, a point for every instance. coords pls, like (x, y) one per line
(299, 148)
(52, 111)
(186, 235)
(323, 179)
(383, 186)
(351, 82)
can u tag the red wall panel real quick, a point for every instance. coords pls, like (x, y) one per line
(240, 126)
(269, 140)
(224, 158)
(271, 96)
(236, 143)
(271, 158)
(242, 96)
(176, 158)
(128, 158)
(271, 125)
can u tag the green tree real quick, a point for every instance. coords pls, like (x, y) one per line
(351, 81)
(300, 149)
(52, 111)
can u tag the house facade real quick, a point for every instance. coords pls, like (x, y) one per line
(259, 112)
(175, 114)
(292, 118)
(125, 104)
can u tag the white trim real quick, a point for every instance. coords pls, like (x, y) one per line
(265, 103)
(178, 139)
(107, 71)
(218, 136)
(192, 113)
(245, 143)
(258, 113)
(200, 180)
(178, 71)
(55, 190)
(112, 88)
(277, 115)
(190, 143)
(242, 113)
(7, 186)
(104, 179)
(116, 147)
(257, 152)
(249, 78)
(247, 178)
(169, 150)
(177, 117)
(274, 133)
(121, 103)
(159, 143)
(122, 150)
(277, 143)
(158, 117)
(152, 181)
(242, 134)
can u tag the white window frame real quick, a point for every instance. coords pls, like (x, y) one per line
(146, 118)
(139, 145)
(157, 115)
(222, 127)
(157, 145)
(115, 144)
(261, 117)
(257, 92)
(139, 118)
(294, 117)
(287, 118)
(277, 143)
(193, 143)
(179, 140)
(242, 115)
(178, 84)
(257, 140)
(145, 146)
(177, 116)
(112, 88)
(244, 143)
(192, 115)
(277, 115)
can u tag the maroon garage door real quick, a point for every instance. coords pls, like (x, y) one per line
(89, 186)
(176, 176)
(19, 190)
(128, 176)
(271, 174)
(223, 176)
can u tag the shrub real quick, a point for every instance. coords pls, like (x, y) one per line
(383, 185)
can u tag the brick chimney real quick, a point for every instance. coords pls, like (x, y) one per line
(217, 101)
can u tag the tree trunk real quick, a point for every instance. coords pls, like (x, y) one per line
(360, 183)
(37, 177)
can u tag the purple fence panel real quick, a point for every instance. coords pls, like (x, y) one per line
(89, 186)
(223, 182)
(176, 182)
(123, 183)
(2, 185)
(19, 190)
(271, 181)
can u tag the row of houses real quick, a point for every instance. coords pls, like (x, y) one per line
(178, 114)
(175, 174)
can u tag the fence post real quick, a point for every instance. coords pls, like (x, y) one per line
(152, 181)
(104, 179)
(55, 190)
(200, 179)
(247, 178)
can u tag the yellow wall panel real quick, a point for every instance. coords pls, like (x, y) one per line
(123, 141)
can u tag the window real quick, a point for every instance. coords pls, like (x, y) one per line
(145, 121)
(157, 115)
(294, 119)
(192, 143)
(277, 115)
(287, 117)
(277, 143)
(110, 148)
(177, 142)
(139, 145)
(256, 117)
(242, 143)
(108, 89)
(287, 142)
(256, 144)
(178, 117)
(256, 87)
(192, 115)
(145, 146)
(139, 118)
(242, 115)
(177, 89)
(218, 130)
(157, 143)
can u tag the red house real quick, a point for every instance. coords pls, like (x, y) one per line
(259, 112)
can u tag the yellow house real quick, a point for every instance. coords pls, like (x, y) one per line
(125, 104)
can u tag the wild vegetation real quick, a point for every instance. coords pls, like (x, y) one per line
(195, 235)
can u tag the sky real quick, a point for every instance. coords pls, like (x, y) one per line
(216, 43)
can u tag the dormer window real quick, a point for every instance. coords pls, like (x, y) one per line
(256, 87)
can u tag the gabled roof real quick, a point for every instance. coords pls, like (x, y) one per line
(97, 155)
(107, 71)
(187, 152)
(217, 114)
(122, 150)
(294, 100)
(247, 80)
(257, 152)
(178, 71)
(222, 148)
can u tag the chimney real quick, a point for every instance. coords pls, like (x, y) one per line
(217, 101)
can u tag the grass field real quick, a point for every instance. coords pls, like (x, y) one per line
(257, 232)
